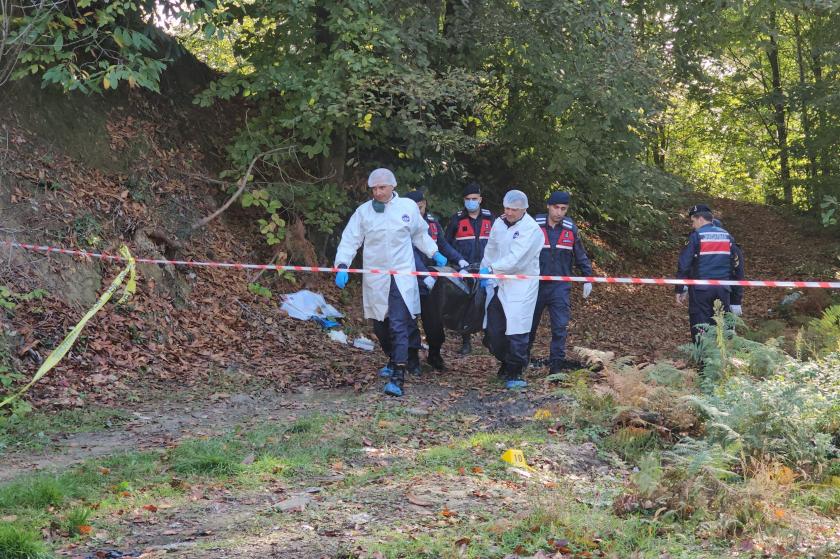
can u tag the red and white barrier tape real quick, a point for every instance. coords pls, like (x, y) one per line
(582, 279)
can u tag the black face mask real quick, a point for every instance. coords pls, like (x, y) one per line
(511, 224)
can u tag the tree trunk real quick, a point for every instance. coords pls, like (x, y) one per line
(804, 98)
(333, 160)
(777, 100)
(825, 163)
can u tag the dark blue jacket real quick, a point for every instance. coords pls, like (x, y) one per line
(469, 236)
(422, 263)
(711, 253)
(562, 248)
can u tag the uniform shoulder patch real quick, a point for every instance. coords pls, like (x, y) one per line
(568, 223)
(485, 212)
(430, 217)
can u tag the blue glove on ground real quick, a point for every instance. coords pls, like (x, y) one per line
(341, 279)
(440, 259)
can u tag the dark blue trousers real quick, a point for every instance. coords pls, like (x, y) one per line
(553, 296)
(701, 305)
(511, 351)
(394, 332)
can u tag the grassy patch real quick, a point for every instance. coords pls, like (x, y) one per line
(20, 543)
(555, 525)
(35, 430)
(207, 457)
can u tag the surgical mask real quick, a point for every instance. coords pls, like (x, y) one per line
(472, 205)
(378, 206)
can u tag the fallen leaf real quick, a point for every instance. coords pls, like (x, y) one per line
(85, 529)
(366, 441)
(477, 470)
(420, 502)
(446, 513)
(249, 459)
(150, 508)
(463, 542)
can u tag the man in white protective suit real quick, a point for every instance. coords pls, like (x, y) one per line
(388, 226)
(514, 248)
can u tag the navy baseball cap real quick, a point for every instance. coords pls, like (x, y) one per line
(415, 195)
(471, 188)
(697, 208)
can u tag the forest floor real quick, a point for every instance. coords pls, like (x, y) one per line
(200, 421)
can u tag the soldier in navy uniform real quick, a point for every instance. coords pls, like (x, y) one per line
(736, 296)
(432, 321)
(562, 248)
(710, 253)
(468, 232)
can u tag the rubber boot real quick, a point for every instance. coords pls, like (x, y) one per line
(395, 385)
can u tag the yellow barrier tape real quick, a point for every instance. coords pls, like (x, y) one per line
(61, 350)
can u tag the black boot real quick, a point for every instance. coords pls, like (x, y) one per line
(502, 373)
(435, 360)
(466, 346)
(413, 364)
(395, 385)
(560, 365)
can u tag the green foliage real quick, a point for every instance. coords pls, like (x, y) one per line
(753, 110)
(724, 353)
(829, 213)
(259, 290)
(10, 299)
(820, 336)
(20, 543)
(439, 93)
(779, 419)
(76, 520)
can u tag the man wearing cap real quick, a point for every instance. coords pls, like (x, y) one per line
(388, 226)
(468, 232)
(708, 254)
(513, 248)
(432, 321)
(562, 248)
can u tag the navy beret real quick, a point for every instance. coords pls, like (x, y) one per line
(471, 188)
(559, 198)
(415, 195)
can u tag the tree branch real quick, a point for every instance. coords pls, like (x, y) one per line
(243, 182)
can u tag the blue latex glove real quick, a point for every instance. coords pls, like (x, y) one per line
(440, 259)
(483, 282)
(341, 279)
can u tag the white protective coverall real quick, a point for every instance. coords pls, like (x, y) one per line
(515, 250)
(387, 238)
